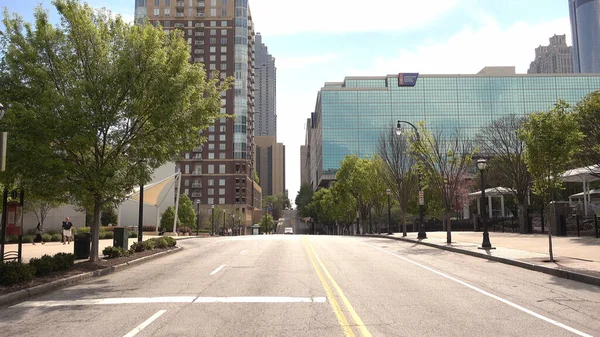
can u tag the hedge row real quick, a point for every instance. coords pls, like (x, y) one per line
(57, 237)
(150, 244)
(17, 272)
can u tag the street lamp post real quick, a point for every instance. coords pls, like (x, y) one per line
(232, 223)
(422, 233)
(389, 192)
(212, 219)
(3, 221)
(486, 244)
(198, 216)
(224, 227)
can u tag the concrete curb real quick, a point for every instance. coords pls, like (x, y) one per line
(562, 273)
(24, 294)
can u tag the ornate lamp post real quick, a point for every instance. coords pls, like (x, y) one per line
(212, 216)
(198, 217)
(486, 244)
(389, 192)
(422, 233)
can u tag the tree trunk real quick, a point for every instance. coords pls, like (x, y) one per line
(95, 229)
(403, 223)
(448, 228)
(524, 219)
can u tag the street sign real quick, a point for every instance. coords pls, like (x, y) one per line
(421, 198)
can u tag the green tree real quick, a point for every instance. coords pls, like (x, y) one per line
(108, 216)
(89, 100)
(167, 218)
(186, 213)
(552, 142)
(500, 140)
(303, 197)
(266, 223)
(587, 114)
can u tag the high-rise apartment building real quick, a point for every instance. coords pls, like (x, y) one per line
(265, 90)
(221, 36)
(555, 58)
(585, 29)
(270, 165)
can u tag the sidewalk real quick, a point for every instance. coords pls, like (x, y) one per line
(575, 258)
(51, 248)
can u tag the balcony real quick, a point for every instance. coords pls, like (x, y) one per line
(200, 4)
(199, 15)
(199, 34)
(199, 42)
(179, 15)
(197, 185)
(197, 195)
(180, 4)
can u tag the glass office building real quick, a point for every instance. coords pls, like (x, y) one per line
(585, 29)
(350, 116)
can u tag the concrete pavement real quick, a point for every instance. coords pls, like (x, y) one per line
(276, 285)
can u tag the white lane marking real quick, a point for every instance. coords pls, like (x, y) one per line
(260, 299)
(481, 291)
(243, 252)
(173, 299)
(217, 270)
(145, 324)
(107, 301)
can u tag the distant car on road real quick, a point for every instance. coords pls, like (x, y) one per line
(288, 230)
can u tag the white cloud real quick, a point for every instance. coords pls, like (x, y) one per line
(278, 17)
(469, 50)
(301, 62)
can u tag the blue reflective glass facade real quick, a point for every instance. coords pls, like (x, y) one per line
(585, 29)
(350, 116)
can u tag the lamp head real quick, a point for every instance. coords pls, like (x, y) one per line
(398, 129)
(388, 191)
(482, 164)
(2, 111)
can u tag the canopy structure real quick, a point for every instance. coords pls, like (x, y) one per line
(583, 175)
(489, 193)
(152, 195)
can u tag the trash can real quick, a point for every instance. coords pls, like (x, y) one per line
(81, 246)
(121, 237)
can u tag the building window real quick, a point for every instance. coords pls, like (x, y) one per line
(167, 3)
(221, 182)
(223, 58)
(213, 58)
(224, 2)
(186, 182)
(222, 155)
(213, 32)
(167, 11)
(221, 191)
(222, 168)
(211, 182)
(186, 191)
(223, 23)
(211, 146)
(223, 40)
(222, 201)
(212, 66)
(211, 155)
(223, 66)
(212, 127)
(211, 201)
(213, 2)
(213, 23)
(187, 169)
(187, 156)
(223, 49)
(213, 12)
(211, 138)
(223, 119)
(222, 138)
(213, 40)
(223, 76)
(223, 11)
(222, 146)
(211, 191)
(213, 49)
(156, 11)
(156, 3)
(211, 169)
(167, 24)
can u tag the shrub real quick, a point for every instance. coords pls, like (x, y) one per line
(136, 247)
(46, 237)
(108, 235)
(171, 242)
(44, 265)
(15, 272)
(53, 231)
(133, 235)
(11, 239)
(28, 238)
(64, 261)
(148, 244)
(102, 235)
(112, 252)
(83, 230)
(148, 228)
(160, 243)
(56, 237)
(107, 229)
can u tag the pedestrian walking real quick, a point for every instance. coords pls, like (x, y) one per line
(39, 230)
(66, 230)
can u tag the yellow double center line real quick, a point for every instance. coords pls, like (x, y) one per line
(341, 317)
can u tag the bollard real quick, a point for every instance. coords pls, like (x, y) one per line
(596, 223)
(577, 222)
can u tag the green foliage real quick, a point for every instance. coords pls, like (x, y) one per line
(83, 230)
(160, 243)
(256, 178)
(64, 261)
(266, 223)
(166, 221)
(136, 247)
(171, 242)
(148, 244)
(111, 252)
(12, 273)
(276, 204)
(28, 238)
(55, 238)
(89, 99)
(552, 141)
(108, 216)
(43, 265)
(588, 118)
(303, 197)
(148, 228)
(186, 212)
(47, 237)
(133, 234)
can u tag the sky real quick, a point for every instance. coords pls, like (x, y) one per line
(318, 41)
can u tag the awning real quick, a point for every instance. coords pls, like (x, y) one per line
(153, 191)
(582, 174)
(580, 195)
(493, 192)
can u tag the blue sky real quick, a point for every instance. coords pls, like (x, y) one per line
(316, 41)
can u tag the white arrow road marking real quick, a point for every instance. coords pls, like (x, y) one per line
(145, 324)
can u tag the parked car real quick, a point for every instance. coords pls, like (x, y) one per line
(288, 230)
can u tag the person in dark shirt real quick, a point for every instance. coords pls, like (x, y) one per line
(66, 231)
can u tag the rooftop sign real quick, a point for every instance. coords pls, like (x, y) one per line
(407, 79)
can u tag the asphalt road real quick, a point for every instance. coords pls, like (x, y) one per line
(295, 285)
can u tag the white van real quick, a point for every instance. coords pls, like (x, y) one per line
(288, 230)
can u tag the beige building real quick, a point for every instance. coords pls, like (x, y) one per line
(270, 165)
(220, 34)
(555, 58)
